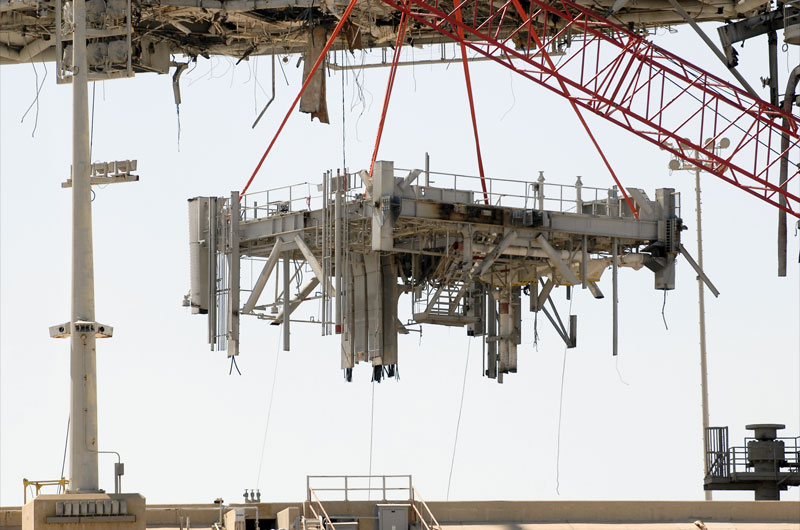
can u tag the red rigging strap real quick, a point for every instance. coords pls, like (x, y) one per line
(532, 34)
(317, 64)
(618, 75)
(401, 32)
(471, 102)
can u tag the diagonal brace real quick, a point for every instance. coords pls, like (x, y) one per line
(258, 288)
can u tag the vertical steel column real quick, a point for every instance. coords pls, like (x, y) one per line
(491, 336)
(324, 278)
(83, 372)
(772, 47)
(584, 262)
(427, 170)
(286, 300)
(614, 299)
(234, 264)
(701, 301)
(212, 272)
(337, 250)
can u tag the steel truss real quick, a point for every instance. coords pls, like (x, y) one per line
(620, 76)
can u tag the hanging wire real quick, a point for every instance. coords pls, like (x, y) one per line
(36, 98)
(269, 409)
(178, 117)
(619, 374)
(371, 430)
(64, 459)
(513, 97)
(560, 412)
(663, 307)
(458, 423)
(91, 125)
(234, 365)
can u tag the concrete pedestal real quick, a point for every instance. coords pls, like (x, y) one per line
(85, 511)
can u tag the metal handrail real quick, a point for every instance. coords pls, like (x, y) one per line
(736, 459)
(537, 193)
(383, 488)
(327, 521)
(418, 499)
(39, 484)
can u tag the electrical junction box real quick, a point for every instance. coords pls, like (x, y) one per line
(234, 519)
(392, 517)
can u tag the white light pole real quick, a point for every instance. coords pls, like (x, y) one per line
(83, 476)
(676, 165)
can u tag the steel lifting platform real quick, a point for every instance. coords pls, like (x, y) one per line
(464, 257)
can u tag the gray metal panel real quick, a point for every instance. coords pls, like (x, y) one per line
(374, 302)
(235, 268)
(603, 226)
(389, 309)
(198, 254)
(360, 328)
(392, 517)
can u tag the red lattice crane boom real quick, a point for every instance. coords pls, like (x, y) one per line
(619, 75)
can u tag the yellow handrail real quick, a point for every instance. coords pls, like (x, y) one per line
(436, 525)
(39, 484)
(321, 507)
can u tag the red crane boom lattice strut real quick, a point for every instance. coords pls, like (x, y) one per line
(631, 82)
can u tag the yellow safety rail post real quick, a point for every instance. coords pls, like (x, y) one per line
(39, 484)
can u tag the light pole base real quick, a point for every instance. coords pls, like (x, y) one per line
(85, 511)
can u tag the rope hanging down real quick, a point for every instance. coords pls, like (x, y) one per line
(314, 69)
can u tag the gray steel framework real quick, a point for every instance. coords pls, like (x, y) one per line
(365, 241)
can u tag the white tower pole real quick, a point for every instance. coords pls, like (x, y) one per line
(83, 476)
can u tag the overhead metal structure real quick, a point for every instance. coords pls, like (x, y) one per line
(622, 77)
(766, 464)
(243, 28)
(357, 243)
(610, 70)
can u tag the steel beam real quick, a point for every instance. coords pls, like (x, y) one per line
(699, 271)
(312, 261)
(748, 28)
(492, 256)
(614, 297)
(261, 282)
(556, 260)
(286, 307)
(721, 56)
(295, 302)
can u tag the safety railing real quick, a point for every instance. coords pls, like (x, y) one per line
(416, 500)
(39, 484)
(725, 461)
(536, 194)
(283, 199)
(326, 522)
(303, 196)
(351, 487)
